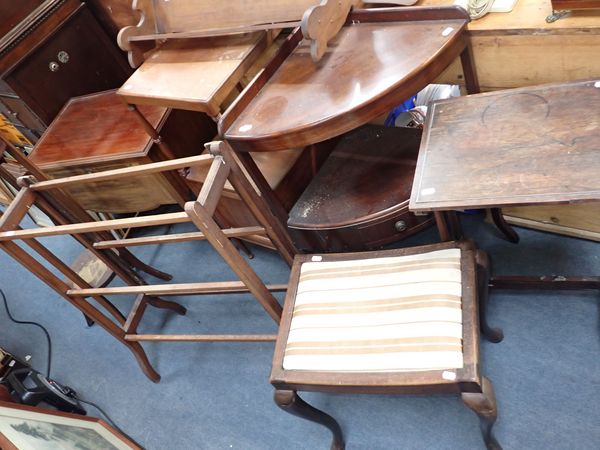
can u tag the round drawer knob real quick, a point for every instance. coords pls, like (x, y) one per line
(63, 57)
(400, 226)
(53, 66)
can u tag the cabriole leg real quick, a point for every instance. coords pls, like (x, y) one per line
(484, 405)
(290, 402)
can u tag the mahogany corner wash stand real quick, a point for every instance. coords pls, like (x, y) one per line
(379, 59)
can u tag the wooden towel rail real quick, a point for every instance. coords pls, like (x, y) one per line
(223, 168)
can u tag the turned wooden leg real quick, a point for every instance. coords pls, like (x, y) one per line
(483, 279)
(484, 405)
(290, 402)
(503, 226)
(158, 302)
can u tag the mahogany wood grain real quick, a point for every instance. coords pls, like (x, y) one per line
(510, 147)
(368, 174)
(362, 76)
(83, 124)
(77, 143)
(359, 198)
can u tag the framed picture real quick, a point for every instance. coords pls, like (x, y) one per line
(29, 428)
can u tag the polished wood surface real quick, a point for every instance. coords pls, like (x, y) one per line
(363, 74)
(194, 74)
(80, 133)
(368, 174)
(516, 147)
(98, 133)
(359, 198)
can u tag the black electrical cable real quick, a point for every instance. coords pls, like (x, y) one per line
(107, 417)
(24, 322)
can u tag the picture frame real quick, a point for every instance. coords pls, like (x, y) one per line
(32, 428)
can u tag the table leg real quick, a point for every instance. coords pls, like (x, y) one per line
(503, 226)
(442, 226)
(455, 226)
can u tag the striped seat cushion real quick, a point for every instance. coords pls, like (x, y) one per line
(390, 314)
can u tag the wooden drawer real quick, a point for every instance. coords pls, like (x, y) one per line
(367, 236)
(77, 58)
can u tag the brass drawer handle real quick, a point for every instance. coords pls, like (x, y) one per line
(400, 226)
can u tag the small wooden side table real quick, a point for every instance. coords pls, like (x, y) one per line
(527, 146)
(97, 132)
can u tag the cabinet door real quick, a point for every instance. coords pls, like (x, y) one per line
(77, 59)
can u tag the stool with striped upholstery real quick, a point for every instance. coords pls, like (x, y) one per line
(393, 321)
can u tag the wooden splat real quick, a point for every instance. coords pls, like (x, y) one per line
(192, 19)
(322, 22)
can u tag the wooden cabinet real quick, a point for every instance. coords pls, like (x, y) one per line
(57, 52)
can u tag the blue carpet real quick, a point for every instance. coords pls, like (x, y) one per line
(546, 372)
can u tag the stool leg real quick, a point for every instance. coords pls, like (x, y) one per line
(484, 405)
(290, 402)
(483, 278)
